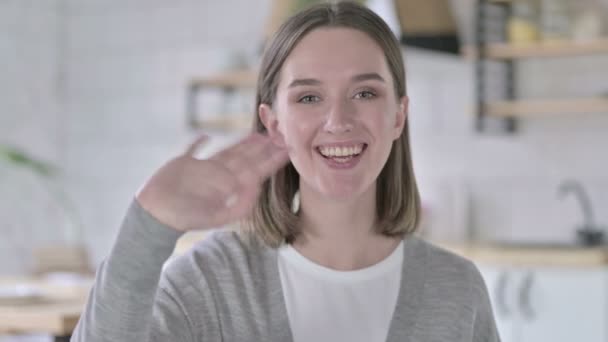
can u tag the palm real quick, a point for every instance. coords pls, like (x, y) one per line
(187, 193)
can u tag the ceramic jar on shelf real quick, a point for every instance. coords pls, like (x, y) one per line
(555, 20)
(523, 24)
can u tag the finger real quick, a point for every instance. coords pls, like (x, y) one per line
(194, 146)
(242, 146)
(267, 157)
(243, 155)
(273, 159)
(267, 162)
(246, 157)
(259, 164)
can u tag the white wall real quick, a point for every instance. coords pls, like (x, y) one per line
(129, 64)
(513, 179)
(29, 119)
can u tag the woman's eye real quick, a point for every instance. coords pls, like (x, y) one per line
(309, 99)
(366, 95)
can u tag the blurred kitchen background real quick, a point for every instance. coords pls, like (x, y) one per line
(508, 117)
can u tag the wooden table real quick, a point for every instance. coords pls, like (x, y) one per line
(56, 314)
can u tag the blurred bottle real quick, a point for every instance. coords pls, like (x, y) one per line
(588, 20)
(555, 20)
(523, 23)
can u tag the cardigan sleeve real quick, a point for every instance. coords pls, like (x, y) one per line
(484, 324)
(126, 303)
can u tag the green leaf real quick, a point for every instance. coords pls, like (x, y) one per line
(19, 158)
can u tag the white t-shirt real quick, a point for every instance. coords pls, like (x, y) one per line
(328, 305)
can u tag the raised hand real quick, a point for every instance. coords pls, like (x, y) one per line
(187, 193)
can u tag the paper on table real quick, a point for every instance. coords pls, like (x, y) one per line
(19, 294)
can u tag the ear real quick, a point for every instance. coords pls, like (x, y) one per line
(271, 122)
(401, 116)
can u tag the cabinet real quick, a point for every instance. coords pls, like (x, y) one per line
(492, 50)
(548, 303)
(228, 83)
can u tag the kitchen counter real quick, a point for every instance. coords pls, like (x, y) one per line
(511, 254)
(55, 310)
(530, 254)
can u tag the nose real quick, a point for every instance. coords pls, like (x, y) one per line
(340, 118)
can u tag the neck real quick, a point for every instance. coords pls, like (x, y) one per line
(340, 234)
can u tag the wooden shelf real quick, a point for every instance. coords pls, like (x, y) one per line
(526, 108)
(226, 82)
(225, 122)
(540, 50)
(529, 256)
(245, 78)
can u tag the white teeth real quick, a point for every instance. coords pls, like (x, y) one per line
(341, 151)
(342, 160)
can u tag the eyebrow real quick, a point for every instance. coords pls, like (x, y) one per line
(356, 78)
(304, 82)
(368, 76)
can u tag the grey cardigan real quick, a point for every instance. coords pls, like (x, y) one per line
(226, 289)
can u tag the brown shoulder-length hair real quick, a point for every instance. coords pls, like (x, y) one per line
(397, 198)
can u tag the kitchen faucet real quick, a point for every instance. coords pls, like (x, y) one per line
(589, 234)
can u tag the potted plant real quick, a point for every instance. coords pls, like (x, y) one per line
(69, 255)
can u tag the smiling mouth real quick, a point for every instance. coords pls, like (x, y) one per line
(341, 153)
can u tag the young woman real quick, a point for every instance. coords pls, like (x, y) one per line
(329, 205)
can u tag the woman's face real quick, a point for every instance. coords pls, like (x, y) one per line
(337, 111)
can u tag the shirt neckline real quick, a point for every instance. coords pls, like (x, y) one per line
(403, 322)
(389, 264)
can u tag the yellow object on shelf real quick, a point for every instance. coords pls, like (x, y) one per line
(521, 31)
(522, 25)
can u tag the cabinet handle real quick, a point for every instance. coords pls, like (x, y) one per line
(500, 290)
(525, 305)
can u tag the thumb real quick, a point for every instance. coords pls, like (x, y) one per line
(194, 146)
